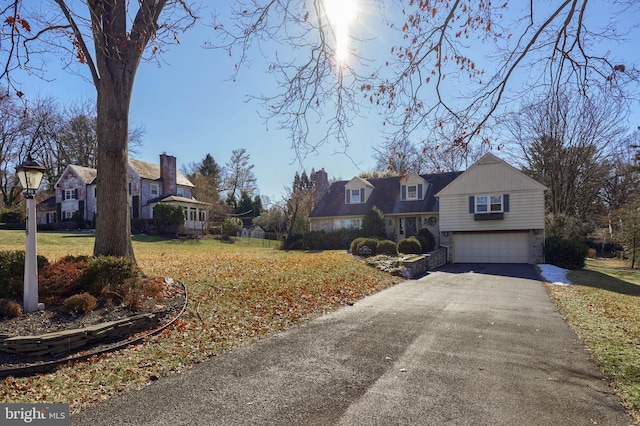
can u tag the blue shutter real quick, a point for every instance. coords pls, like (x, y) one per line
(348, 196)
(362, 195)
(404, 192)
(472, 204)
(505, 202)
(419, 191)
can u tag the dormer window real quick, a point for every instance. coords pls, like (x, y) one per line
(412, 192)
(355, 196)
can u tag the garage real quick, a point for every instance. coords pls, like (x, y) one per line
(491, 247)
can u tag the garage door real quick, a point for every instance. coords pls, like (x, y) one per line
(511, 247)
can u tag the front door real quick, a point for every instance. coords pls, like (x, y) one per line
(411, 227)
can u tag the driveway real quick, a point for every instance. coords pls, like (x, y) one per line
(467, 345)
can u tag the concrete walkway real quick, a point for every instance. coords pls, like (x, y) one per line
(474, 345)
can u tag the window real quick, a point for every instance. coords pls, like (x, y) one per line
(202, 216)
(349, 223)
(180, 192)
(412, 192)
(68, 215)
(496, 203)
(481, 204)
(192, 214)
(355, 196)
(70, 194)
(155, 190)
(489, 207)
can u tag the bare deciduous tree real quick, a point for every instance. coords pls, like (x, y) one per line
(567, 143)
(452, 63)
(109, 38)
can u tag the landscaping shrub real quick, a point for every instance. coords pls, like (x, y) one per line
(80, 303)
(12, 272)
(168, 219)
(62, 279)
(410, 245)
(12, 216)
(294, 242)
(371, 244)
(567, 254)
(231, 226)
(10, 308)
(387, 247)
(373, 223)
(427, 240)
(355, 244)
(106, 276)
(137, 293)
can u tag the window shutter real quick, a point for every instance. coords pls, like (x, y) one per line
(76, 193)
(505, 202)
(81, 210)
(348, 196)
(419, 191)
(59, 212)
(362, 195)
(472, 204)
(404, 192)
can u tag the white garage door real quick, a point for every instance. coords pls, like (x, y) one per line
(511, 247)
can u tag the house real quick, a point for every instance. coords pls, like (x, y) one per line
(252, 232)
(491, 213)
(408, 203)
(149, 184)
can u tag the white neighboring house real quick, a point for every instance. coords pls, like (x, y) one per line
(149, 184)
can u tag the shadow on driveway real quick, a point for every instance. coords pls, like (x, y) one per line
(501, 269)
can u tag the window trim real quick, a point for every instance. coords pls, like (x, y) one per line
(487, 207)
(415, 194)
(69, 194)
(157, 190)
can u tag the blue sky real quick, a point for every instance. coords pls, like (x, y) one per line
(189, 107)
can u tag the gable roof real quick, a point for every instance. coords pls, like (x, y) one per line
(151, 171)
(385, 196)
(87, 174)
(491, 173)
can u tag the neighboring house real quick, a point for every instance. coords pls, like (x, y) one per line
(492, 213)
(489, 213)
(252, 232)
(408, 203)
(149, 184)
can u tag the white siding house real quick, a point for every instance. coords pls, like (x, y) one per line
(492, 213)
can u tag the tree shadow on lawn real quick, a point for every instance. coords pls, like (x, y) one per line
(595, 279)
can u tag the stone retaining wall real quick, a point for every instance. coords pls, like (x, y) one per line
(436, 258)
(65, 341)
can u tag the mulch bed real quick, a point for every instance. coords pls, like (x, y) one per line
(54, 319)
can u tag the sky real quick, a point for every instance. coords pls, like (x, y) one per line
(189, 107)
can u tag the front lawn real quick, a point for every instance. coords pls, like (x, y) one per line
(238, 292)
(603, 307)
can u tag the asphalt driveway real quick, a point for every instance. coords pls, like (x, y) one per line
(467, 345)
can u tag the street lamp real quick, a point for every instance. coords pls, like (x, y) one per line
(30, 174)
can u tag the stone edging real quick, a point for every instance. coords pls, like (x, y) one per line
(65, 341)
(52, 365)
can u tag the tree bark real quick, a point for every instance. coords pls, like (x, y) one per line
(113, 222)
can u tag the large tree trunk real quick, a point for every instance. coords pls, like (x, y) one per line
(113, 224)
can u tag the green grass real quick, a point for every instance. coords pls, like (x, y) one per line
(238, 292)
(603, 307)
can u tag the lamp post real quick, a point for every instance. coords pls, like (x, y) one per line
(30, 174)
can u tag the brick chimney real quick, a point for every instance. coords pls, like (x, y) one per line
(322, 184)
(168, 174)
